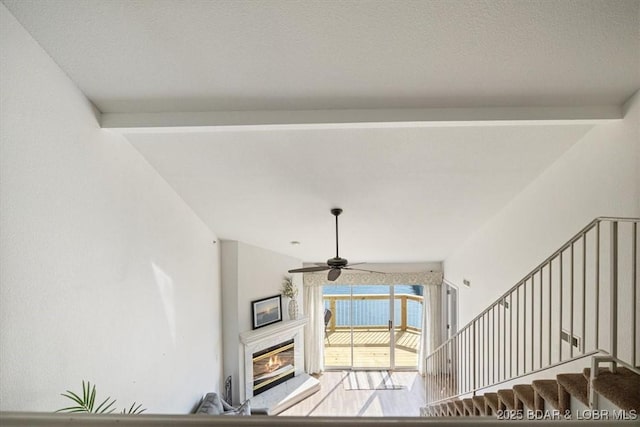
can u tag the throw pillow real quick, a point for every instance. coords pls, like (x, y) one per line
(244, 409)
(211, 405)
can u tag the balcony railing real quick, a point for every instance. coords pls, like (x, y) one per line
(371, 311)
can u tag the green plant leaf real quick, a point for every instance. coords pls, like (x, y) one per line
(92, 399)
(102, 409)
(85, 392)
(134, 409)
(71, 395)
(86, 403)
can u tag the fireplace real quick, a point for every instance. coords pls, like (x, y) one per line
(262, 341)
(273, 366)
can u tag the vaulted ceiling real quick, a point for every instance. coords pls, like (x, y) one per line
(421, 119)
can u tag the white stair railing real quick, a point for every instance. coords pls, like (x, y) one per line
(580, 301)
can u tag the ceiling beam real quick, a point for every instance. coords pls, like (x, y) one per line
(368, 118)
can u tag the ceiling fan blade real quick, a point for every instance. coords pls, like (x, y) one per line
(334, 273)
(368, 271)
(309, 269)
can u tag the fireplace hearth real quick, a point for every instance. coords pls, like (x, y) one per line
(273, 366)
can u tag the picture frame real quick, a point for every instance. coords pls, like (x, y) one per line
(266, 311)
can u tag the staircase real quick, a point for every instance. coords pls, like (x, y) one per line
(565, 397)
(576, 311)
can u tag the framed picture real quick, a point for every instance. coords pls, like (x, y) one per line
(266, 311)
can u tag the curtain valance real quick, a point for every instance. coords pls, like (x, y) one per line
(358, 278)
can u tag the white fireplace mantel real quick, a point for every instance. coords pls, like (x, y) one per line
(265, 337)
(250, 337)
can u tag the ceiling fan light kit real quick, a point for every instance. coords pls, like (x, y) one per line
(336, 264)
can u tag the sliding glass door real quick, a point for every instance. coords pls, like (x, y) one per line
(408, 311)
(372, 327)
(337, 327)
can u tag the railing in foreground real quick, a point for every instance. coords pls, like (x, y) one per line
(35, 419)
(581, 299)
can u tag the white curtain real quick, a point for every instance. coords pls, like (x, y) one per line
(314, 329)
(431, 324)
(314, 309)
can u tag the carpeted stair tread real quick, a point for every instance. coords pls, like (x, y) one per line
(506, 397)
(576, 385)
(621, 388)
(619, 370)
(586, 372)
(443, 409)
(452, 408)
(524, 392)
(459, 407)
(433, 410)
(492, 401)
(468, 405)
(478, 401)
(548, 389)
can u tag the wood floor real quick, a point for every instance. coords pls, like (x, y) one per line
(371, 349)
(334, 400)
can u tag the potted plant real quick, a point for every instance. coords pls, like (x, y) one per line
(87, 403)
(290, 291)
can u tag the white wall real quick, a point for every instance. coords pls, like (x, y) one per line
(230, 295)
(105, 273)
(249, 273)
(598, 176)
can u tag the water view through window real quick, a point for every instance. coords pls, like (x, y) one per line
(359, 333)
